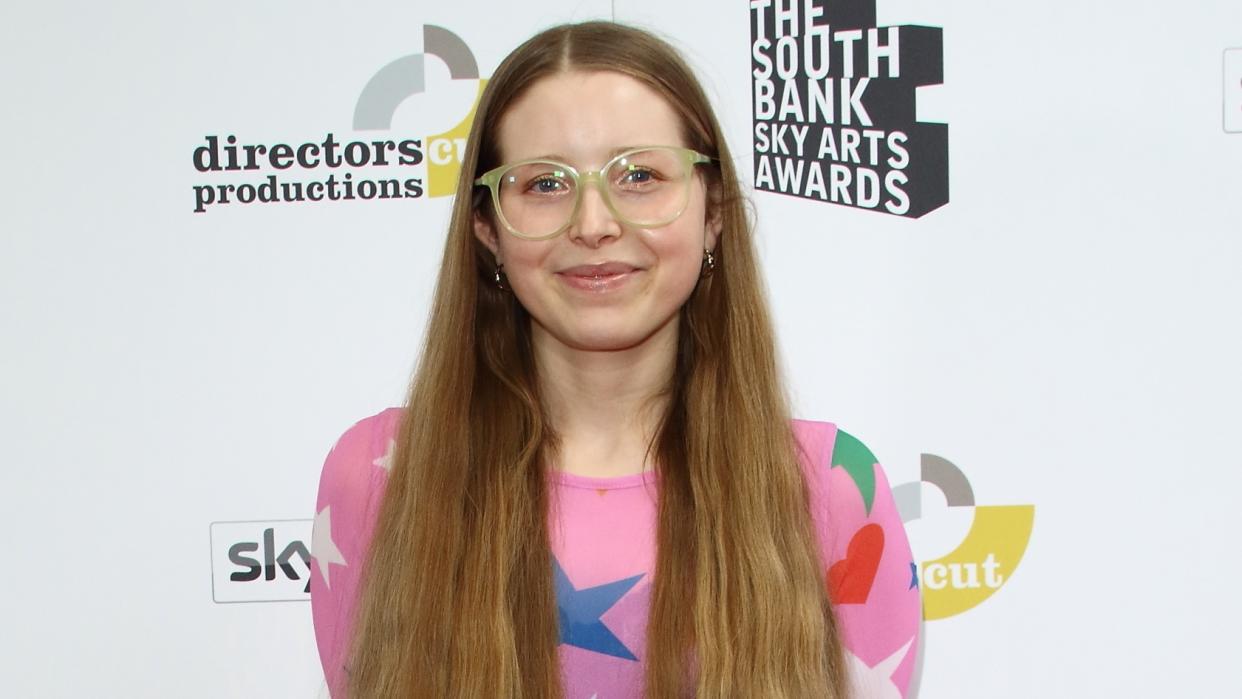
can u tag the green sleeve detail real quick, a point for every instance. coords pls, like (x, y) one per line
(858, 461)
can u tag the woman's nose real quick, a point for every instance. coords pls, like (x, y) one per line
(595, 222)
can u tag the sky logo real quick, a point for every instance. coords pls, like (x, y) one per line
(261, 561)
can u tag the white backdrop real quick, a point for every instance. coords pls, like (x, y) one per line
(1065, 331)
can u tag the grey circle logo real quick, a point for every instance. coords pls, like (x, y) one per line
(405, 77)
(943, 474)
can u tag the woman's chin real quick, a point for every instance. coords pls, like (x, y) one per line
(611, 341)
(607, 339)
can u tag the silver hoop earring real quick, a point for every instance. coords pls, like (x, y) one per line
(709, 264)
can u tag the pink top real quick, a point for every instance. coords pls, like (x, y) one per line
(603, 549)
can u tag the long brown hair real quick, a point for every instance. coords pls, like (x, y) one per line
(458, 598)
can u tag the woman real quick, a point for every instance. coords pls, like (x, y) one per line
(599, 338)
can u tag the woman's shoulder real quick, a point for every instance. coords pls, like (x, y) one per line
(824, 447)
(871, 575)
(368, 434)
(355, 471)
(363, 447)
(351, 482)
(350, 488)
(847, 485)
(844, 479)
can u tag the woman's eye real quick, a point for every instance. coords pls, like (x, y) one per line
(637, 176)
(547, 185)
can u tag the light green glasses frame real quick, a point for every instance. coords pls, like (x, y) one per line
(491, 179)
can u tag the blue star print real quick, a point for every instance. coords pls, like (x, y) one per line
(580, 612)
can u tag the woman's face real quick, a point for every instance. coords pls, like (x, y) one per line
(583, 119)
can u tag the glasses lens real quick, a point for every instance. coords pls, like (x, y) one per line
(536, 199)
(649, 187)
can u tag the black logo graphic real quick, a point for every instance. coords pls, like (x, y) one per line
(230, 156)
(834, 107)
(251, 568)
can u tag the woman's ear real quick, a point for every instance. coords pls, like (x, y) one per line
(715, 224)
(714, 216)
(486, 233)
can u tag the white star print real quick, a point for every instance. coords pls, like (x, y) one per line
(323, 548)
(876, 682)
(385, 461)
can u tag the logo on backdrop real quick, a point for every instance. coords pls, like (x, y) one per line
(368, 167)
(834, 107)
(984, 560)
(260, 561)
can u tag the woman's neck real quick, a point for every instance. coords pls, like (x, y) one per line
(605, 406)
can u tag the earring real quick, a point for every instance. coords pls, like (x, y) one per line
(500, 278)
(709, 264)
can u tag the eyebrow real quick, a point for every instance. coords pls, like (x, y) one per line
(561, 158)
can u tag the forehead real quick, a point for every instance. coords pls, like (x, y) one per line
(586, 117)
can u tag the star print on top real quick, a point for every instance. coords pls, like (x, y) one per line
(580, 613)
(602, 533)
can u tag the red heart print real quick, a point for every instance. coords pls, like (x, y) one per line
(850, 579)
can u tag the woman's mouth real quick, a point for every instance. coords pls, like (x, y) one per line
(598, 278)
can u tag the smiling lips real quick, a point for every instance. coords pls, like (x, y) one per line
(598, 278)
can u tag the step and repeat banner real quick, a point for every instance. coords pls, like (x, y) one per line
(1001, 243)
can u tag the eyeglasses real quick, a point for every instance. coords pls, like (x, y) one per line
(645, 187)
